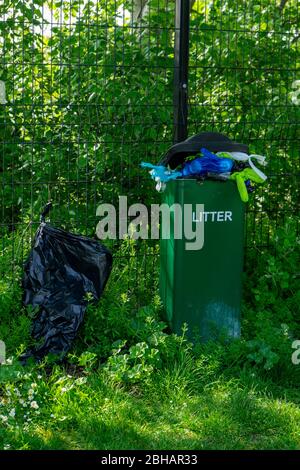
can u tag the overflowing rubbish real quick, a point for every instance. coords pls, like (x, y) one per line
(62, 272)
(208, 163)
(244, 180)
(223, 160)
(243, 157)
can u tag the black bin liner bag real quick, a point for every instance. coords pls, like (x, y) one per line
(62, 268)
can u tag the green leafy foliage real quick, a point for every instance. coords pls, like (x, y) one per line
(88, 98)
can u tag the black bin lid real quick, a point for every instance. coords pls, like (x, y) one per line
(212, 141)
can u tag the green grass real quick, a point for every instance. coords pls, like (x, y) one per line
(170, 411)
(130, 385)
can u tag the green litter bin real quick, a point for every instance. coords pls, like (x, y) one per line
(203, 287)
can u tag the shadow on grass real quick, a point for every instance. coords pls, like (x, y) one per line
(218, 418)
(174, 411)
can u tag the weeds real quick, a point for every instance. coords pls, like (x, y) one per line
(130, 383)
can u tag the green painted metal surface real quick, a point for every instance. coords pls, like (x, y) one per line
(203, 288)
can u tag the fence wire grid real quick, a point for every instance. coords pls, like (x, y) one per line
(86, 91)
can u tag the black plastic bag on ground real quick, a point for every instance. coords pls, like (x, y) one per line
(61, 270)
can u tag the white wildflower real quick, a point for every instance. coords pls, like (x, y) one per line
(4, 418)
(34, 405)
(12, 413)
(81, 380)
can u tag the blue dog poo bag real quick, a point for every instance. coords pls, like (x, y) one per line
(200, 166)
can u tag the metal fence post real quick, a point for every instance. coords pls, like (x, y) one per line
(181, 58)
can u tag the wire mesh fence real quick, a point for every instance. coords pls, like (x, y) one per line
(243, 77)
(87, 93)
